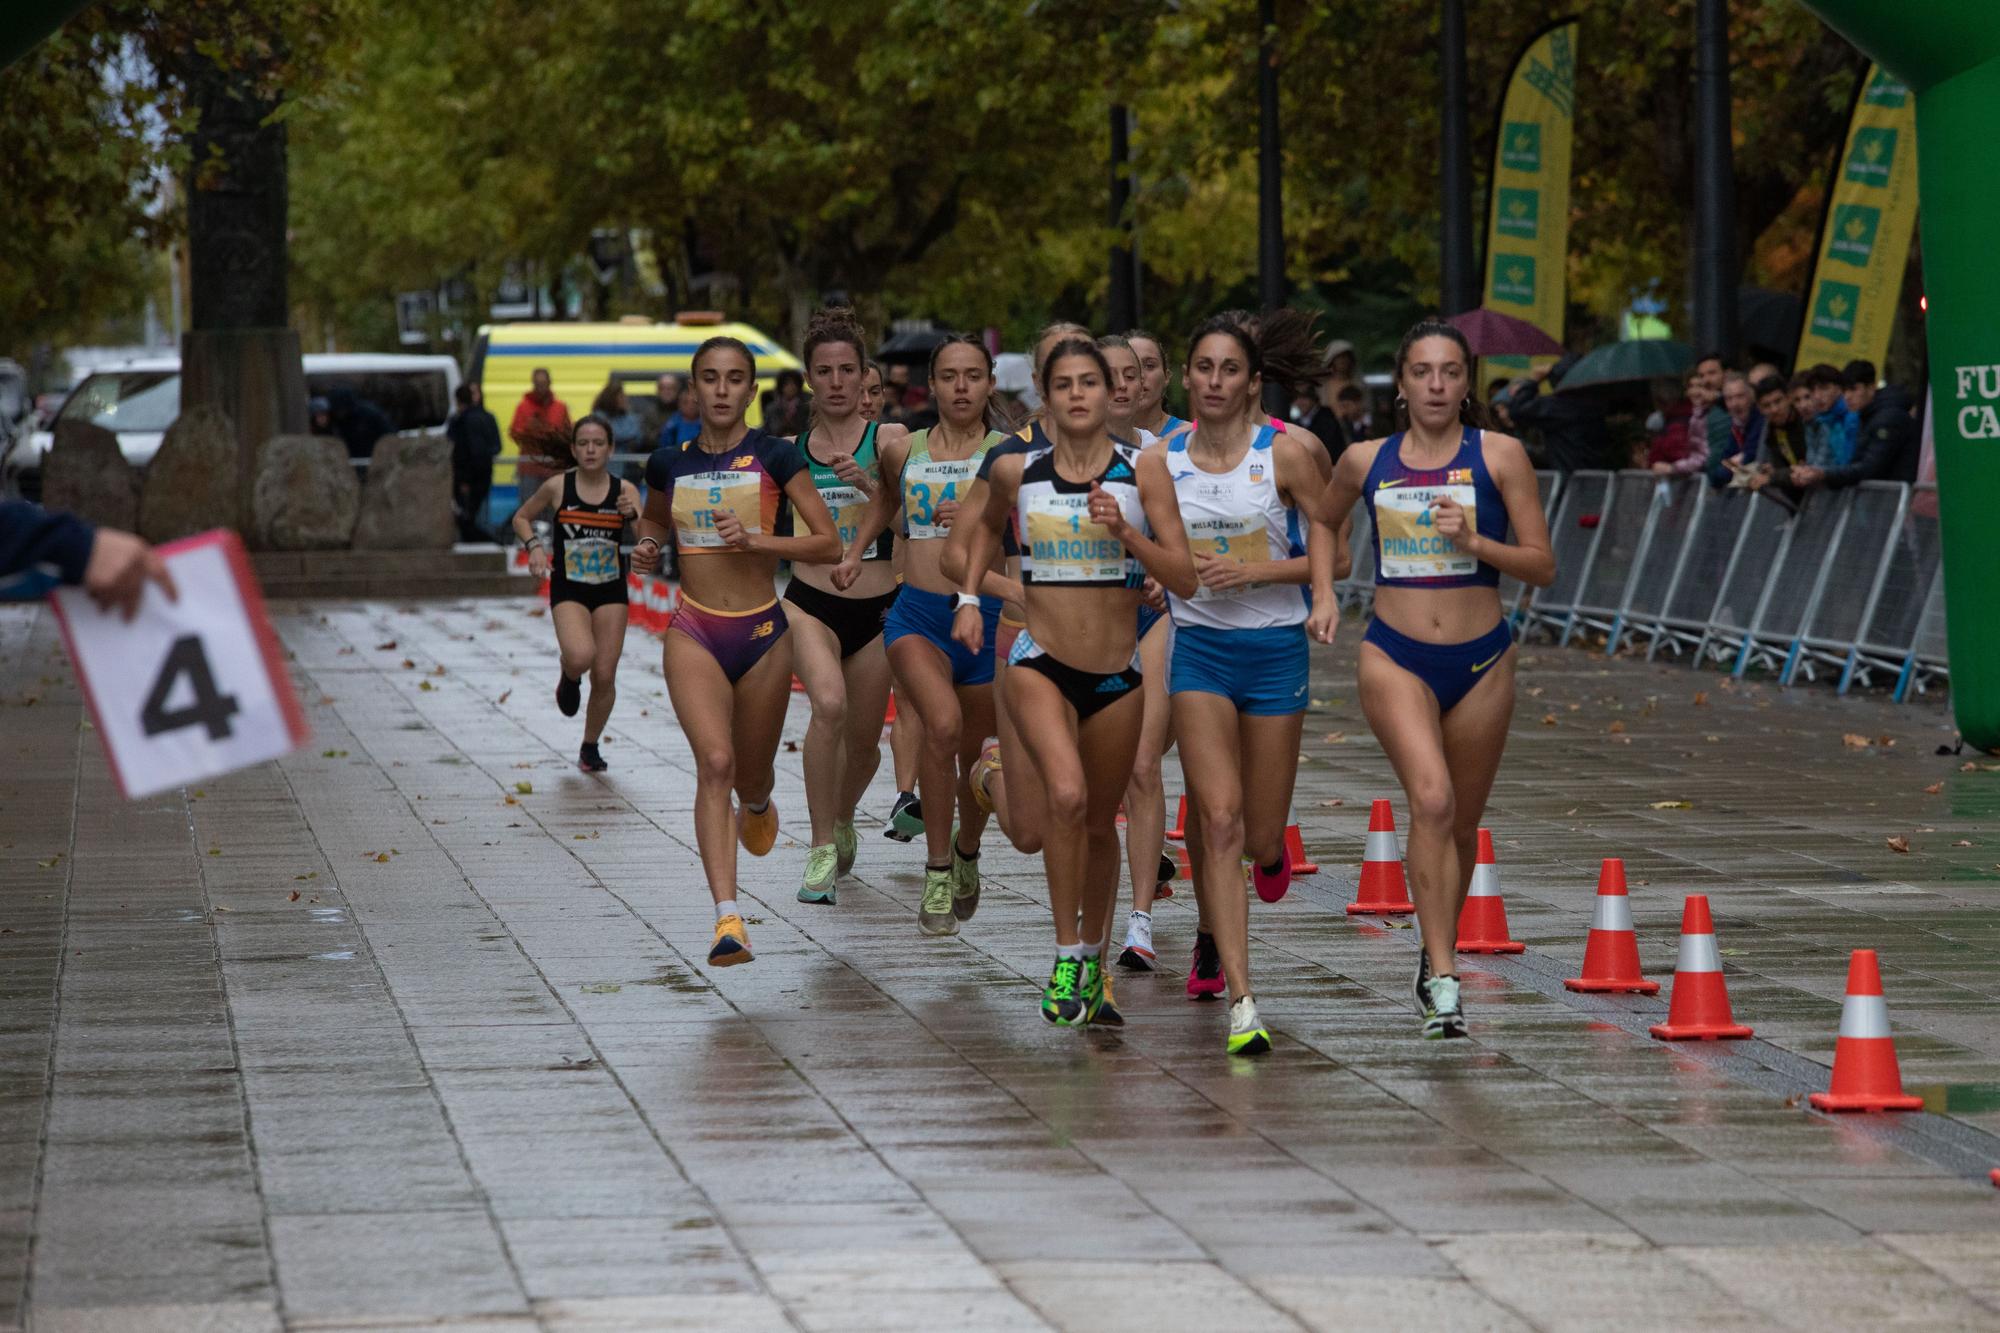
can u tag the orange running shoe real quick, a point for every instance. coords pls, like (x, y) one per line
(757, 832)
(732, 943)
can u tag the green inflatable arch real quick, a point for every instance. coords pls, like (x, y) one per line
(1948, 52)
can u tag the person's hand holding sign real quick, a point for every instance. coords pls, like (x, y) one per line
(120, 564)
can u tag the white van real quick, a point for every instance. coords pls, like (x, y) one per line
(137, 400)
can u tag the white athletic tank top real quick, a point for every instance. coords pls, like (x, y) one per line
(1238, 515)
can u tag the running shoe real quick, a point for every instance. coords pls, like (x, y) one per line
(982, 773)
(1247, 1033)
(1205, 980)
(732, 943)
(964, 881)
(906, 818)
(1061, 1002)
(757, 830)
(1138, 955)
(822, 875)
(1444, 1015)
(1104, 1011)
(846, 843)
(1422, 980)
(569, 694)
(1272, 881)
(589, 760)
(934, 913)
(1163, 887)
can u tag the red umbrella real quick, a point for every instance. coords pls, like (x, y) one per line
(1494, 334)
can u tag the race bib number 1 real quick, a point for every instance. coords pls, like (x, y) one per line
(187, 689)
(1068, 546)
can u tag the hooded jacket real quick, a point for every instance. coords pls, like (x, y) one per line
(1887, 443)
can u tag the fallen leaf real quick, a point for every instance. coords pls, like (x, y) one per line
(408, 665)
(439, 671)
(1616, 728)
(1927, 829)
(1535, 693)
(1934, 788)
(388, 647)
(1886, 742)
(525, 788)
(512, 801)
(295, 896)
(503, 696)
(215, 851)
(51, 863)
(1621, 740)
(539, 611)
(1898, 844)
(602, 988)
(381, 858)
(345, 652)
(1576, 708)
(1854, 742)
(1673, 805)
(1968, 767)
(311, 874)
(327, 701)
(333, 754)
(791, 747)
(425, 686)
(577, 837)
(1792, 1101)
(1332, 803)
(220, 908)
(1711, 739)
(199, 793)
(1701, 698)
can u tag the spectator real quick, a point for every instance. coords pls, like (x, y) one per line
(358, 422)
(1340, 365)
(895, 384)
(475, 443)
(1831, 429)
(1742, 436)
(321, 413)
(1309, 412)
(1762, 371)
(1711, 368)
(615, 405)
(1784, 437)
(40, 548)
(1350, 404)
(541, 432)
(685, 423)
(1572, 425)
(787, 410)
(919, 412)
(1888, 442)
(658, 407)
(1680, 446)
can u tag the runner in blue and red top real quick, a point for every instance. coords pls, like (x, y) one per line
(1437, 663)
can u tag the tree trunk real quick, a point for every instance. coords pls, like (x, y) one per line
(256, 377)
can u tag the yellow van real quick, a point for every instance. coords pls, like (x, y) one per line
(581, 358)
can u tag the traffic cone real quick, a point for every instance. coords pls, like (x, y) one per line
(1865, 1077)
(1611, 955)
(889, 713)
(1295, 852)
(1382, 891)
(1482, 922)
(1178, 833)
(1700, 1005)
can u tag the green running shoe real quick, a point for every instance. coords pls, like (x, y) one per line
(821, 875)
(1096, 987)
(1062, 1004)
(964, 881)
(1247, 1033)
(934, 914)
(846, 842)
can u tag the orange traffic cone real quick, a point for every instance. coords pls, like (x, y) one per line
(1482, 922)
(1700, 1006)
(1865, 1077)
(1295, 852)
(1611, 955)
(1178, 833)
(1382, 891)
(889, 713)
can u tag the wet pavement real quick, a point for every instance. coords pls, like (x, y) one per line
(414, 1030)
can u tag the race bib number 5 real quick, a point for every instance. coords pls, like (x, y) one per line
(1408, 545)
(699, 495)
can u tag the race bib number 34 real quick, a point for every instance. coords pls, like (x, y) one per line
(928, 484)
(699, 495)
(1408, 545)
(191, 688)
(1067, 547)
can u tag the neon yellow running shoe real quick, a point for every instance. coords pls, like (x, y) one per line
(1247, 1033)
(934, 913)
(846, 842)
(964, 880)
(1062, 1000)
(822, 875)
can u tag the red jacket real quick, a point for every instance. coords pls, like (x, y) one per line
(541, 432)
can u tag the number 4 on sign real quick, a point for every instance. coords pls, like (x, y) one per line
(191, 688)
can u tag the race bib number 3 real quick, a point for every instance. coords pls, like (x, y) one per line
(927, 485)
(1407, 542)
(849, 506)
(1238, 539)
(699, 495)
(187, 689)
(1067, 547)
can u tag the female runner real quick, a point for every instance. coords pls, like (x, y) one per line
(947, 689)
(1149, 408)
(1437, 662)
(586, 573)
(728, 659)
(837, 628)
(1238, 679)
(905, 816)
(1084, 509)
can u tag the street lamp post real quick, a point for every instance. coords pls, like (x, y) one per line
(1458, 288)
(1124, 301)
(1272, 288)
(1714, 184)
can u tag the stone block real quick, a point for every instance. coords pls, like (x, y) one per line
(406, 503)
(306, 497)
(191, 483)
(86, 473)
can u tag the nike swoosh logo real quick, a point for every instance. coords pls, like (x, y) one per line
(1487, 663)
(1384, 485)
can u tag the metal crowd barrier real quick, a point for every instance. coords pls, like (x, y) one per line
(1849, 583)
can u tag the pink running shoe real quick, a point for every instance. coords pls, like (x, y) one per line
(1205, 980)
(1272, 882)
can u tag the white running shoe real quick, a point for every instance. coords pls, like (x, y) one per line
(1138, 956)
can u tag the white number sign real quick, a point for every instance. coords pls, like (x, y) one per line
(189, 688)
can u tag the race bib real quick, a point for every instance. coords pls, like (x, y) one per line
(699, 495)
(848, 505)
(1066, 546)
(1238, 539)
(590, 560)
(1407, 542)
(928, 484)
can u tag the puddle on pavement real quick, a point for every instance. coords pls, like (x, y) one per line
(336, 956)
(329, 916)
(1964, 1098)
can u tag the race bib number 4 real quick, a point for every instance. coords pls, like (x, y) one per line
(190, 688)
(1408, 545)
(699, 495)
(928, 484)
(1066, 546)
(1238, 539)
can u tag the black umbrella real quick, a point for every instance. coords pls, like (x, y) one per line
(912, 347)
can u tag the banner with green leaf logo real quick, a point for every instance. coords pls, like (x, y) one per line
(1864, 244)
(1527, 232)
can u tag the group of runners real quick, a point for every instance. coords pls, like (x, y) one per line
(1054, 608)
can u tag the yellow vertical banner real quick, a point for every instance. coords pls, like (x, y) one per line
(1527, 231)
(1864, 244)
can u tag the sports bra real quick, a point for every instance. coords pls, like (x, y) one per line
(929, 482)
(1408, 551)
(1238, 515)
(1059, 541)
